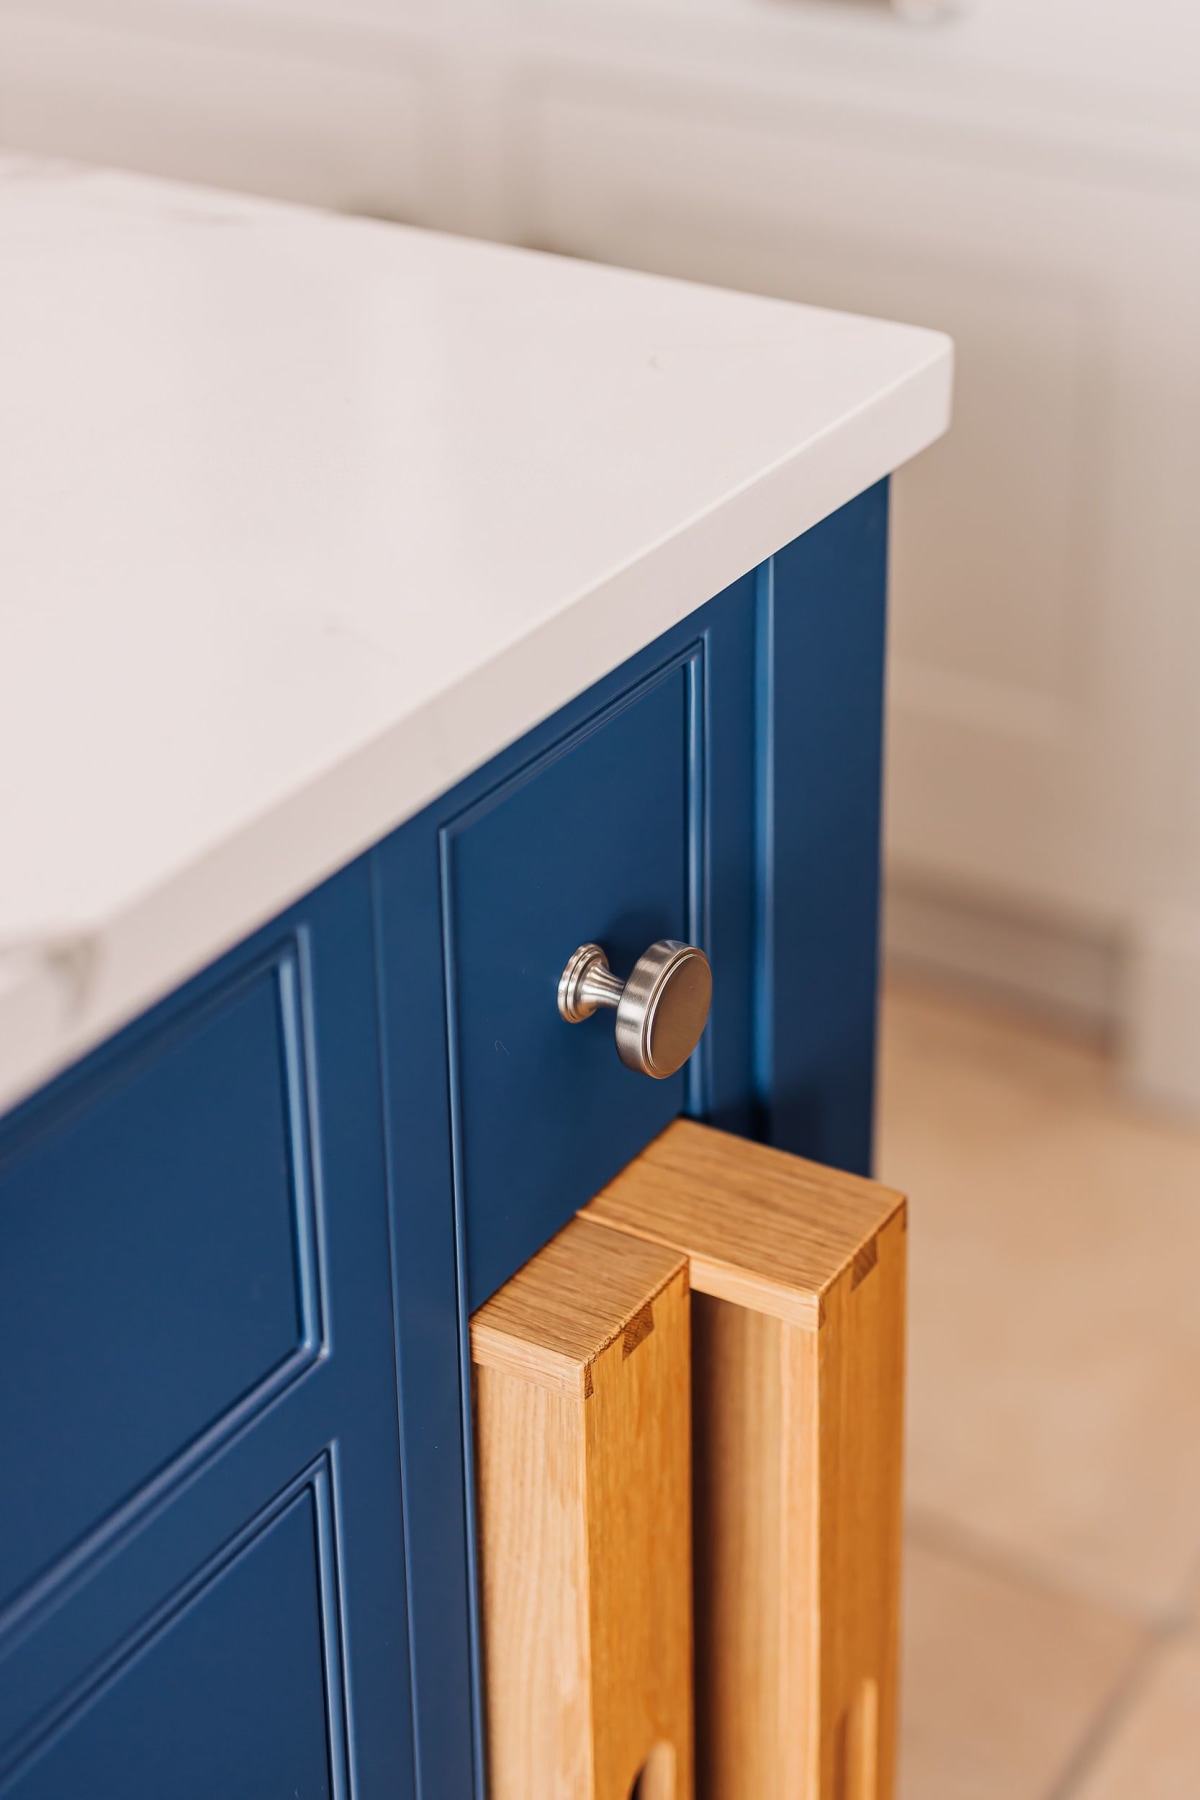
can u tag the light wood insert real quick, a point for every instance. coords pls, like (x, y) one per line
(798, 1274)
(583, 1464)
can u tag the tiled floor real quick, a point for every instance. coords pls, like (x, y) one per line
(1052, 1639)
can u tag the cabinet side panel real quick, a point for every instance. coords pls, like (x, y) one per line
(227, 1696)
(157, 1247)
(822, 612)
(213, 1182)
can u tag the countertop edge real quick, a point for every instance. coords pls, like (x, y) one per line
(60, 998)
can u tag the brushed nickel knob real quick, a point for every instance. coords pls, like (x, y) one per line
(661, 1010)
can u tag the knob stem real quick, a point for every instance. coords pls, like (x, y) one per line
(600, 987)
(586, 983)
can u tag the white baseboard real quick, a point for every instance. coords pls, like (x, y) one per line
(1162, 1013)
(1140, 991)
(1063, 970)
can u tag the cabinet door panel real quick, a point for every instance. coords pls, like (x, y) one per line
(589, 844)
(169, 1223)
(212, 1364)
(680, 725)
(228, 1694)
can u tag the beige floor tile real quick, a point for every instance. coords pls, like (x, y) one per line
(1154, 1752)
(1055, 1335)
(1002, 1680)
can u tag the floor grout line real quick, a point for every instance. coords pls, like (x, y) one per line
(929, 1530)
(955, 1082)
(1097, 1739)
(926, 1531)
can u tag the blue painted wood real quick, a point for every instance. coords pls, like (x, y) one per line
(167, 1217)
(225, 1694)
(224, 1315)
(430, 1324)
(589, 843)
(821, 614)
(721, 1073)
(241, 1241)
(685, 703)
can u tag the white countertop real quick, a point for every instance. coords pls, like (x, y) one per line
(303, 517)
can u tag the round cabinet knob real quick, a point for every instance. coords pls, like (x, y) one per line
(661, 1010)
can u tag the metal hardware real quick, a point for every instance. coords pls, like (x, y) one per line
(661, 1010)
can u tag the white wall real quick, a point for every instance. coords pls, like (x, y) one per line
(1027, 176)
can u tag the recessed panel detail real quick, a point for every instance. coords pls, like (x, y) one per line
(598, 841)
(234, 1691)
(158, 1277)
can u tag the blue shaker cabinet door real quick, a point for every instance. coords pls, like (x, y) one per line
(152, 1286)
(227, 1698)
(625, 817)
(586, 844)
(202, 1585)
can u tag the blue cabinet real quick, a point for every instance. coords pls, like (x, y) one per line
(821, 638)
(627, 817)
(239, 1244)
(202, 1566)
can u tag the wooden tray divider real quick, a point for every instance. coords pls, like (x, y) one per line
(798, 1278)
